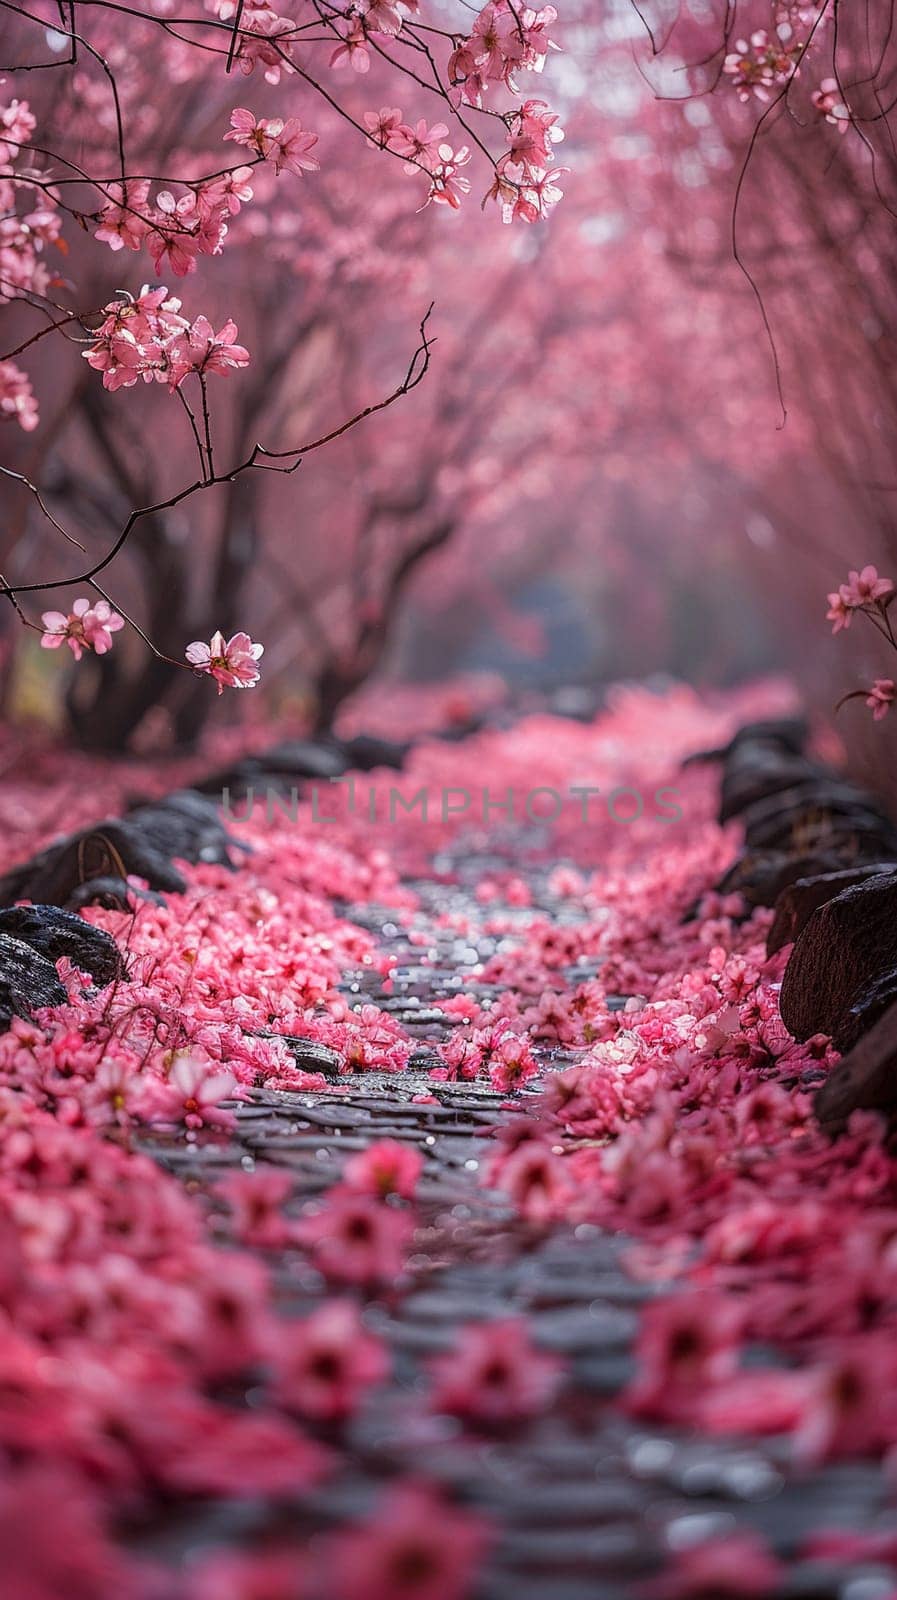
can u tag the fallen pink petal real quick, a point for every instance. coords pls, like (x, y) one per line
(448, 834)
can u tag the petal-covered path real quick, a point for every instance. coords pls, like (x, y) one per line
(547, 1287)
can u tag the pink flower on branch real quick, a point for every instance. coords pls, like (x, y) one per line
(759, 65)
(199, 349)
(282, 142)
(17, 125)
(263, 39)
(122, 221)
(865, 587)
(862, 591)
(381, 16)
(148, 338)
(17, 402)
(532, 134)
(421, 145)
(881, 697)
(173, 236)
(829, 102)
(446, 187)
(354, 51)
(838, 613)
(385, 126)
(231, 662)
(85, 627)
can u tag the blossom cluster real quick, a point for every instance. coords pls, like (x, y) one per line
(146, 337)
(284, 143)
(765, 63)
(175, 231)
(25, 232)
(761, 64)
(865, 592)
(503, 42)
(17, 401)
(85, 627)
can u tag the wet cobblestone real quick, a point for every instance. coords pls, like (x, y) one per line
(589, 1504)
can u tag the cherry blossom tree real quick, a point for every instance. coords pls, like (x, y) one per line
(781, 123)
(121, 151)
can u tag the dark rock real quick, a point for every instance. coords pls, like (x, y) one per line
(312, 1056)
(457, 732)
(870, 1004)
(54, 933)
(365, 752)
(788, 734)
(757, 771)
(762, 875)
(186, 826)
(289, 762)
(303, 758)
(27, 981)
(826, 807)
(866, 1079)
(845, 945)
(113, 894)
(113, 849)
(796, 903)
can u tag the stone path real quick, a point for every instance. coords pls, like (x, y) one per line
(589, 1503)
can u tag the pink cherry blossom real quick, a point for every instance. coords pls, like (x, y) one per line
(759, 65)
(828, 100)
(881, 697)
(354, 50)
(172, 238)
(198, 1089)
(17, 402)
(327, 1363)
(416, 1547)
(531, 136)
(232, 663)
(355, 1239)
(839, 612)
(85, 627)
(256, 1200)
(263, 40)
(446, 186)
(421, 144)
(17, 125)
(283, 142)
(684, 1346)
(495, 1374)
(384, 125)
(199, 349)
(865, 587)
(386, 1167)
(123, 221)
(382, 16)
